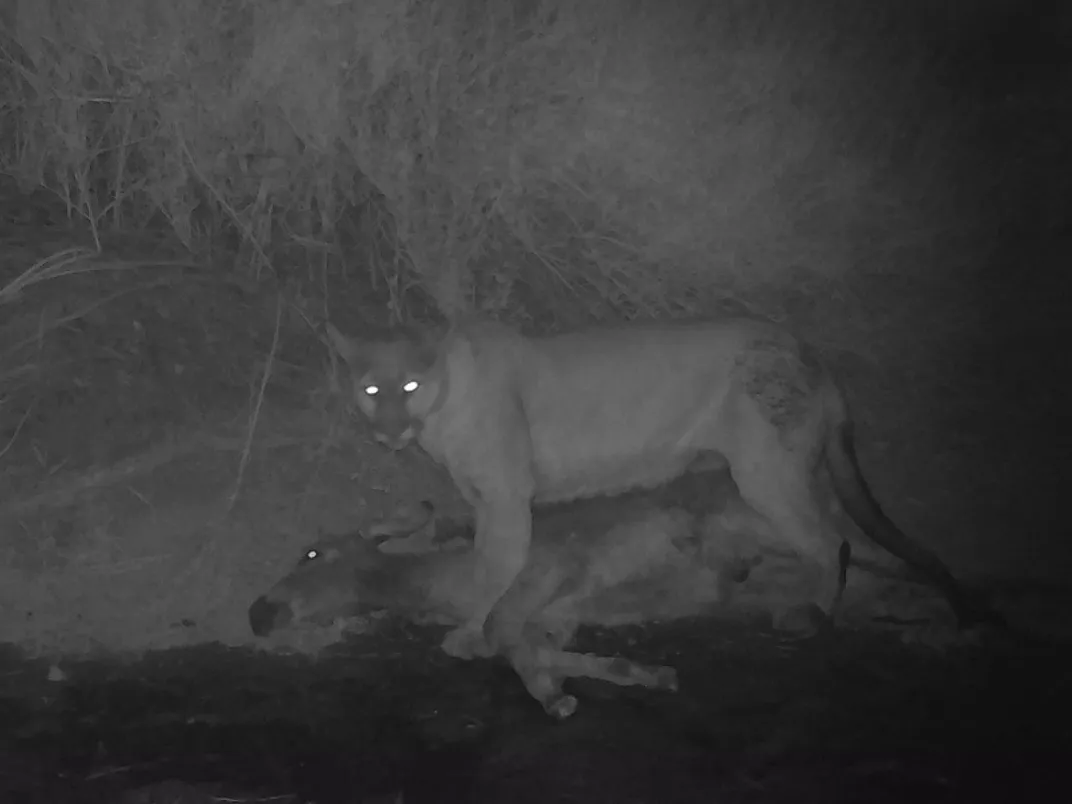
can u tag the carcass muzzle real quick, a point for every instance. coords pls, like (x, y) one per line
(266, 616)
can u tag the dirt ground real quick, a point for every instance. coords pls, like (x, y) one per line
(845, 718)
(139, 518)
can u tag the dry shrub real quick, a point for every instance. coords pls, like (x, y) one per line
(636, 155)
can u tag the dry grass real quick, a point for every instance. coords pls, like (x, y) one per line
(544, 159)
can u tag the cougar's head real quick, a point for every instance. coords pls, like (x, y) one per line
(395, 382)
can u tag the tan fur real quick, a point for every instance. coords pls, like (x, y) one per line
(520, 420)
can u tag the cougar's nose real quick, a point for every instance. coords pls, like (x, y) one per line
(265, 616)
(397, 442)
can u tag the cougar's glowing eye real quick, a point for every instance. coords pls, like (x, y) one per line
(311, 555)
(372, 390)
(411, 386)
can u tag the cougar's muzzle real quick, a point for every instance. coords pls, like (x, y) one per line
(397, 441)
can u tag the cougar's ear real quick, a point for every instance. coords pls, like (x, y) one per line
(349, 349)
(425, 344)
(428, 354)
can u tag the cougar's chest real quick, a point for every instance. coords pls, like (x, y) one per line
(449, 445)
(465, 418)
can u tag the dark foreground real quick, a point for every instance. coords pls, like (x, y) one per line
(841, 718)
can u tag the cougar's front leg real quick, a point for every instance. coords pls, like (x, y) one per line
(503, 534)
(497, 467)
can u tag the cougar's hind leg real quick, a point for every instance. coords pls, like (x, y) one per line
(779, 488)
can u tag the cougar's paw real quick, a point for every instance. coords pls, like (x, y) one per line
(801, 621)
(562, 707)
(466, 643)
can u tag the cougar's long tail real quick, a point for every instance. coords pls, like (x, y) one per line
(858, 501)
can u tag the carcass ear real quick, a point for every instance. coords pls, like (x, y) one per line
(405, 520)
(349, 349)
(453, 533)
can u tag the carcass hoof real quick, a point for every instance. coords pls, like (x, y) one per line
(562, 707)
